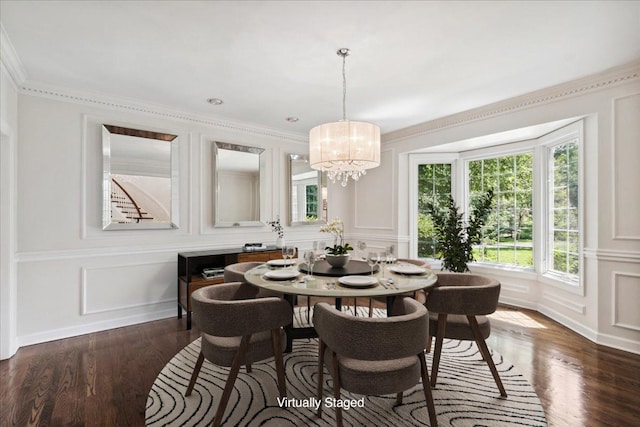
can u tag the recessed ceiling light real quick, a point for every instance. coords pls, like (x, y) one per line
(215, 101)
(292, 119)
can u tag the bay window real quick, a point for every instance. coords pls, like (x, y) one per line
(534, 182)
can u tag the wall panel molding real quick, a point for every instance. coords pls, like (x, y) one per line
(116, 251)
(122, 286)
(624, 167)
(615, 255)
(624, 291)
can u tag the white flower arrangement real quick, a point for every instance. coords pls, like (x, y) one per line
(336, 227)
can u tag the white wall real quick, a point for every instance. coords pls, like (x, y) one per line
(73, 277)
(606, 309)
(8, 147)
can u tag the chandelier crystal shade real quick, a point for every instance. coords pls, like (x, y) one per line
(345, 148)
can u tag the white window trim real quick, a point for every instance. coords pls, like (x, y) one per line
(560, 136)
(416, 159)
(459, 187)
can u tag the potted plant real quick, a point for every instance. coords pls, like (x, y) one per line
(454, 238)
(337, 255)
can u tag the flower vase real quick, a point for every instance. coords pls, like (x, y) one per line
(279, 242)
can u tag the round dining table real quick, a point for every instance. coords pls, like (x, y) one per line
(352, 281)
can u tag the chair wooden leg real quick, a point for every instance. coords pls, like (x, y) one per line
(486, 355)
(321, 348)
(442, 328)
(428, 395)
(335, 373)
(194, 375)
(399, 399)
(276, 341)
(429, 340)
(370, 307)
(248, 367)
(231, 379)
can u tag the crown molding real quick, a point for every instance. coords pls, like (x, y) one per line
(555, 93)
(10, 60)
(128, 105)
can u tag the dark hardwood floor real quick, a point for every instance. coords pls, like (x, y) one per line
(102, 379)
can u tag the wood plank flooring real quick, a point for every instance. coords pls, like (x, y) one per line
(102, 379)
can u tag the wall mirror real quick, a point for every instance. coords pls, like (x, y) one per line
(238, 183)
(140, 179)
(307, 192)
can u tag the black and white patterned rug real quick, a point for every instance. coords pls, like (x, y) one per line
(466, 394)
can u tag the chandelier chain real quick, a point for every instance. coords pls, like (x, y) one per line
(344, 149)
(344, 88)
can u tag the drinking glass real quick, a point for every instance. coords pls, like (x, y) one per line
(361, 246)
(321, 249)
(372, 260)
(285, 255)
(291, 253)
(392, 258)
(310, 258)
(383, 258)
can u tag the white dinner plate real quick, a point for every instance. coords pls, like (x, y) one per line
(407, 269)
(358, 281)
(280, 262)
(281, 274)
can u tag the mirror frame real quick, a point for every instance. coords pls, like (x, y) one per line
(322, 193)
(107, 131)
(219, 145)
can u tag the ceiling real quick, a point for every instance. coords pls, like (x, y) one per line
(411, 61)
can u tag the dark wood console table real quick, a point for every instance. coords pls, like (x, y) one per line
(191, 264)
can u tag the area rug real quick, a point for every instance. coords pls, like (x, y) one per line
(466, 394)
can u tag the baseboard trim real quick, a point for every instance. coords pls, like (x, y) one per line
(74, 331)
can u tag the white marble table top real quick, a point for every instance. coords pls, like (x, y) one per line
(388, 283)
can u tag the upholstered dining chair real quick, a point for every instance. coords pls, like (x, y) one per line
(235, 273)
(418, 295)
(374, 356)
(458, 306)
(238, 329)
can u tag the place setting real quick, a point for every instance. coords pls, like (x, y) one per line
(407, 270)
(358, 281)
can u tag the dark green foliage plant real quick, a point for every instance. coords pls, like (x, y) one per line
(454, 238)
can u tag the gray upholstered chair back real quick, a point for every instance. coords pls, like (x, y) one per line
(238, 329)
(231, 309)
(366, 338)
(235, 272)
(467, 294)
(458, 306)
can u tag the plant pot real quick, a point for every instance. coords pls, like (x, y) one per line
(338, 261)
(279, 242)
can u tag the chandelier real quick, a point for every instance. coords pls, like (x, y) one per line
(345, 148)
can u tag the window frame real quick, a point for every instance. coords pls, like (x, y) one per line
(502, 150)
(460, 192)
(415, 160)
(566, 134)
